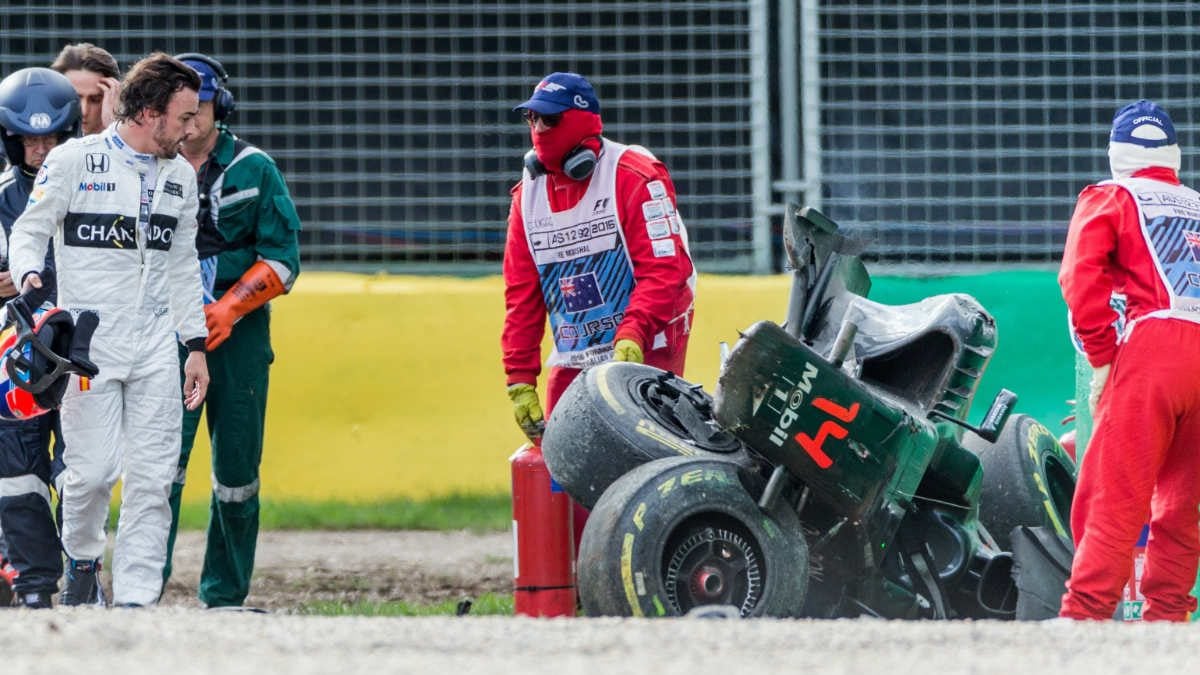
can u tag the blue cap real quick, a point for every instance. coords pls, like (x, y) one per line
(562, 91)
(210, 82)
(1143, 123)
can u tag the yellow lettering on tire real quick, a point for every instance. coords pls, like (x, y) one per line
(664, 488)
(1036, 431)
(1041, 485)
(639, 515)
(718, 476)
(627, 574)
(657, 433)
(771, 529)
(658, 606)
(606, 393)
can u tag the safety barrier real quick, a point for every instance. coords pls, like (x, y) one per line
(391, 386)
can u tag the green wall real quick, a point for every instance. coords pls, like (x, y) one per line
(391, 386)
(1033, 358)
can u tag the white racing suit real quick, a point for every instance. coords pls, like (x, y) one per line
(127, 252)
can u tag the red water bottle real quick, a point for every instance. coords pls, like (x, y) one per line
(544, 547)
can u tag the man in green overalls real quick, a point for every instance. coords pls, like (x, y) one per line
(248, 255)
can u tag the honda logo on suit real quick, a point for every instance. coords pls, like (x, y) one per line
(96, 162)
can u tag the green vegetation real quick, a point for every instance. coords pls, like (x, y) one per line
(477, 513)
(488, 604)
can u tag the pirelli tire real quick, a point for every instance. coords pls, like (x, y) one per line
(678, 534)
(617, 416)
(1028, 479)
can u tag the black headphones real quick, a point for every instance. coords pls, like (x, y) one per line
(223, 103)
(578, 164)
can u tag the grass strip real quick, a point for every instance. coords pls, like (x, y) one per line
(476, 513)
(488, 604)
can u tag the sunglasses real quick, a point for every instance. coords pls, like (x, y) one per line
(532, 118)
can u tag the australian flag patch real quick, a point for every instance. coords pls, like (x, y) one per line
(1193, 242)
(580, 292)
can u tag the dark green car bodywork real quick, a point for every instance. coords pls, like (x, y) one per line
(869, 432)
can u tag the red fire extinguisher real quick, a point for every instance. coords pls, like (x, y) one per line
(544, 547)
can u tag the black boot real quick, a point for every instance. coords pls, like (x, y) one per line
(82, 584)
(37, 600)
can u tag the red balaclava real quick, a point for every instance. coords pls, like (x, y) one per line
(577, 127)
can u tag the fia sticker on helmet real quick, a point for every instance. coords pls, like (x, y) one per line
(39, 121)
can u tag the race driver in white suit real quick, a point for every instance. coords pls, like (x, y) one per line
(121, 207)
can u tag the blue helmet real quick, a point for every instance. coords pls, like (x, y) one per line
(36, 102)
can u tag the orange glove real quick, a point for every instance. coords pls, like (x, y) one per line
(257, 286)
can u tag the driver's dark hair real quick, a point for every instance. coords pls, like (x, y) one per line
(150, 84)
(86, 56)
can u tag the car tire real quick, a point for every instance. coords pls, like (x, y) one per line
(1028, 479)
(617, 416)
(680, 535)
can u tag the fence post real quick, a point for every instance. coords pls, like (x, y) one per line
(760, 138)
(810, 100)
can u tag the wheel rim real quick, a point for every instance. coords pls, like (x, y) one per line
(685, 410)
(713, 560)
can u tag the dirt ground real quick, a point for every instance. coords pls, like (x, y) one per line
(295, 568)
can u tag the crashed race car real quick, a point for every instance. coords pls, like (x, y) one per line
(832, 473)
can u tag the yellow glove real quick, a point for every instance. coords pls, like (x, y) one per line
(527, 410)
(627, 350)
